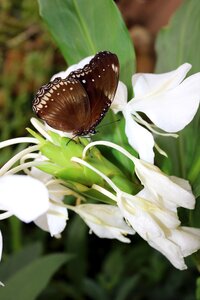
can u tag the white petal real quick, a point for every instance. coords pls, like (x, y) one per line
(144, 84)
(182, 182)
(1, 244)
(137, 212)
(170, 250)
(174, 109)
(139, 138)
(187, 238)
(106, 221)
(120, 99)
(25, 197)
(74, 67)
(54, 221)
(159, 184)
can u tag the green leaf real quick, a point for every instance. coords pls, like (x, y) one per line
(198, 289)
(19, 260)
(176, 44)
(29, 282)
(82, 28)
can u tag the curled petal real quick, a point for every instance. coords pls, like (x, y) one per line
(172, 194)
(120, 99)
(106, 221)
(137, 214)
(187, 238)
(139, 138)
(147, 84)
(170, 250)
(23, 196)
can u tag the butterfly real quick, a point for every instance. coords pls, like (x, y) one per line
(79, 102)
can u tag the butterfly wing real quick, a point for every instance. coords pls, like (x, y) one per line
(100, 79)
(63, 104)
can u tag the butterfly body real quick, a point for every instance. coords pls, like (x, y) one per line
(79, 102)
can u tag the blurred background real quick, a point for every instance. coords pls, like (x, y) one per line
(28, 58)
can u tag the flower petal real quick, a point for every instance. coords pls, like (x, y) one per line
(106, 221)
(74, 67)
(170, 250)
(172, 194)
(136, 211)
(144, 84)
(139, 138)
(24, 196)
(54, 221)
(174, 109)
(187, 238)
(120, 99)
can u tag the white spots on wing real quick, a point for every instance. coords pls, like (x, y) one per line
(99, 76)
(45, 106)
(115, 68)
(54, 87)
(51, 100)
(61, 83)
(83, 81)
(43, 102)
(64, 90)
(48, 94)
(58, 94)
(103, 70)
(93, 79)
(71, 88)
(45, 98)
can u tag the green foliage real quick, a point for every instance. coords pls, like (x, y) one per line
(26, 274)
(83, 28)
(176, 44)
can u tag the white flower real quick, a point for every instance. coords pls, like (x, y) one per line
(152, 213)
(160, 227)
(172, 191)
(55, 218)
(23, 196)
(106, 221)
(168, 101)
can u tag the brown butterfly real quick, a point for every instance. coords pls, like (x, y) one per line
(80, 101)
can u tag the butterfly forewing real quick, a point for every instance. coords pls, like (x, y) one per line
(100, 79)
(63, 104)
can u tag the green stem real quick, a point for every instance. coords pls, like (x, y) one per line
(181, 157)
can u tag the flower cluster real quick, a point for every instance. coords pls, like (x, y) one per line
(55, 168)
